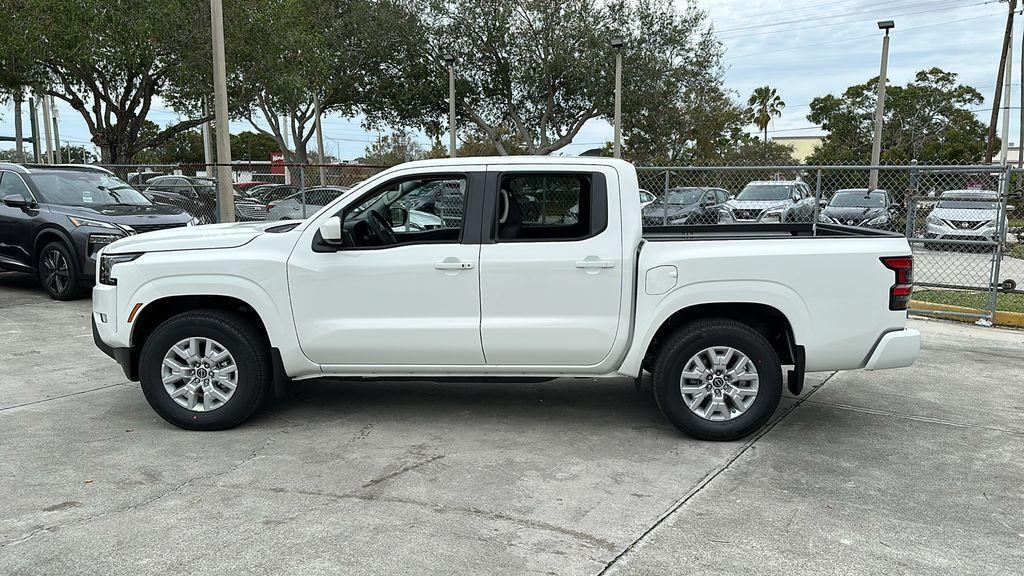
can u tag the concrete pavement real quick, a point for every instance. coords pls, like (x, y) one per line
(914, 471)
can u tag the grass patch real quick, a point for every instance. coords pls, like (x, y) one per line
(978, 300)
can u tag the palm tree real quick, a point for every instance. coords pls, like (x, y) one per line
(763, 106)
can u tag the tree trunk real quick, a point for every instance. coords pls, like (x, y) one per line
(19, 145)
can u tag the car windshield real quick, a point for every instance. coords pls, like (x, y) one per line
(858, 200)
(765, 192)
(969, 202)
(683, 196)
(85, 188)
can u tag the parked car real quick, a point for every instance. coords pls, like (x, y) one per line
(770, 201)
(861, 207)
(54, 219)
(966, 215)
(646, 198)
(224, 317)
(689, 205)
(141, 178)
(290, 208)
(195, 195)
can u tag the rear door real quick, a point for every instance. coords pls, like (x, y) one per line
(16, 224)
(550, 277)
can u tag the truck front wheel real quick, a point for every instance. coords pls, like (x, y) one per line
(717, 379)
(205, 369)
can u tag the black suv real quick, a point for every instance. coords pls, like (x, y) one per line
(54, 219)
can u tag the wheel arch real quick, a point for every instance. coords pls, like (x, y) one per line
(49, 234)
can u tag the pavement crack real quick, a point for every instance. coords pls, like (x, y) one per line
(927, 419)
(62, 396)
(401, 470)
(708, 478)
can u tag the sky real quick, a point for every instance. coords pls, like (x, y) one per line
(803, 49)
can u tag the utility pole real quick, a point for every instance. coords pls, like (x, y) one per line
(876, 146)
(19, 141)
(319, 138)
(617, 139)
(207, 141)
(225, 193)
(1007, 36)
(55, 118)
(34, 127)
(1020, 137)
(47, 128)
(450, 61)
(1005, 135)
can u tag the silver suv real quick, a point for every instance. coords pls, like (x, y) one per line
(770, 201)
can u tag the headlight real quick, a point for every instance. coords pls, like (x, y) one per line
(774, 215)
(932, 219)
(97, 241)
(823, 218)
(878, 220)
(79, 222)
(107, 262)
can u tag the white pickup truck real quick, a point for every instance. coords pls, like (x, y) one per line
(214, 319)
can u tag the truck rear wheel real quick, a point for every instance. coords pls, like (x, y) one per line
(205, 370)
(717, 379)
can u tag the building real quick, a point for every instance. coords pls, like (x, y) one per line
(803, 146)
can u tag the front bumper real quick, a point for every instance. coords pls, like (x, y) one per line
(896, 349)
(123, 356)
(940, 231)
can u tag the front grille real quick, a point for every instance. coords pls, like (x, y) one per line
(252, 211)
(746, 214)
(965, 224)
(851, 221)
(143, 228)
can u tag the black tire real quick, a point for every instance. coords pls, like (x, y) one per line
(247, 346)
(690, 339)
(57, 271)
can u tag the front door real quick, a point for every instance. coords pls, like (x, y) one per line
(551, 278)
(411, 297)
(16, 224)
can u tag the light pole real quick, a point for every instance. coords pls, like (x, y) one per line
(225, 195)
(876, 147)
(617, 141)
(450, 61)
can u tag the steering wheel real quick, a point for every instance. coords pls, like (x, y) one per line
(381, 229)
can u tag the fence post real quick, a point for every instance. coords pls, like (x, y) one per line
(664, 201)
(817, 205)
(997, 250)
(302, 190)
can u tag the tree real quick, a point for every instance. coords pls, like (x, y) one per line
(393, 149)
(540, 68)
(252, 146)
(293, 53)
(929, 119)
(764, 105)
(110, 62)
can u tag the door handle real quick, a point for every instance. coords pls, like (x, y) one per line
(453, 264)
(594, 263)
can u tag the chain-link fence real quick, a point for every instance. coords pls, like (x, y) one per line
(960, 220)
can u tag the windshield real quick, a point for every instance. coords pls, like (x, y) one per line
(980, 203)
(85, 188)
(858, 200)
(765, 192)
(683, 196)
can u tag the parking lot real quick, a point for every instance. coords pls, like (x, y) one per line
(916, 471)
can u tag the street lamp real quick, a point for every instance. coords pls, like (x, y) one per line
(876, 147)
(450, 61)
(616, 44)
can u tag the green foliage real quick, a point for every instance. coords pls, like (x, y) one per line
(763, 106)
(539, 70)
(393, 149)
(929, 119)
(109, 60)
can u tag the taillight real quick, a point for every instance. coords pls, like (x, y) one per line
(899, 293)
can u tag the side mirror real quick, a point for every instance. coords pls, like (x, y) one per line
(16, 201)
(822, 203)
(398, 216)
(330, 230)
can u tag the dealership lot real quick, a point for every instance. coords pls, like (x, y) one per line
(918, 470)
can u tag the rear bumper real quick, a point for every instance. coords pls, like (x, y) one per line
(895, 350)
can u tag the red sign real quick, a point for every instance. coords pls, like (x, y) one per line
(276, 163)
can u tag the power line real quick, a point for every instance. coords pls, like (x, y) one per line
(818, 17)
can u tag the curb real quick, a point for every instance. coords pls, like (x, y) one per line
(1014, 319)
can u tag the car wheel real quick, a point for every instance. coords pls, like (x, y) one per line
(58, 272)
(717, 379)
(205, 370)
